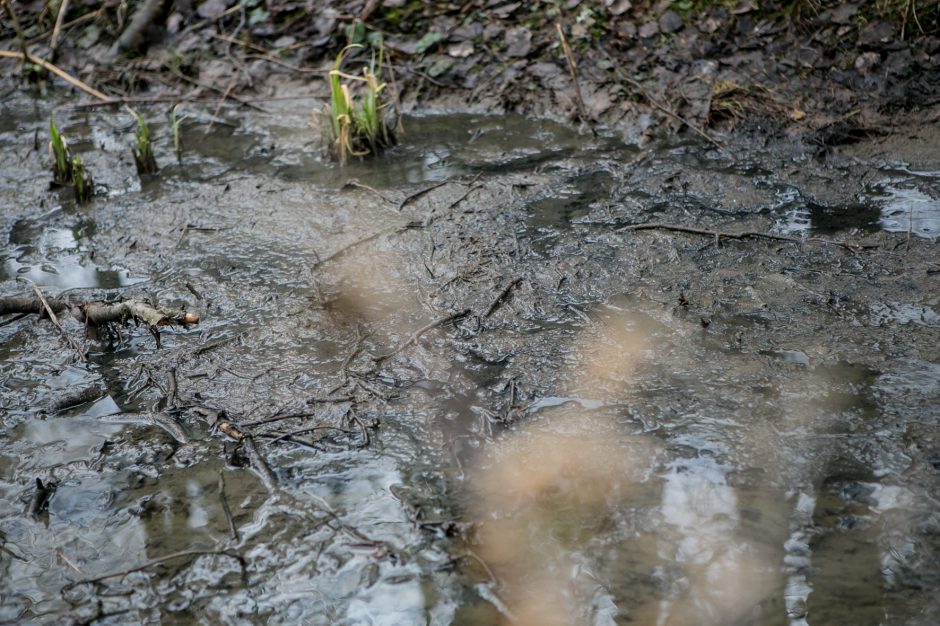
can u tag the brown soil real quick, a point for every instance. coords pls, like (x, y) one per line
(824, 73)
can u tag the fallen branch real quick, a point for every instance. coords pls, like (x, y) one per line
(99, 313)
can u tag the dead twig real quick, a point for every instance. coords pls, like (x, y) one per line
(573, 70)
(357, 185)
(260, 465)
(719, 235)
(9, 54)
(309, 429)
(152, 563)
(366, 440)
(421, 193)
(57, 29)
(501, 297)
(225, 508)
(345, 249)
(55, 321)
(417, 334)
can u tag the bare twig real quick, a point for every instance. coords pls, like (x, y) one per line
(502, 296)
(356, 184)
(57, 30)
(309, 429)
(151, 563)
(261, 466)
(225, 508)
(8, 5)
(719, 235)
(573, 70)
(417, 334)
(55, 321)
(345, 249)
(9, 54)
(421, 193)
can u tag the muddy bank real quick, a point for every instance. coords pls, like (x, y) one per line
(825, 74)
(507, 371)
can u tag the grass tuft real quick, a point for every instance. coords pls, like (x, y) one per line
(143, 151)
(82, 183)
(61, 158)
(357, 127)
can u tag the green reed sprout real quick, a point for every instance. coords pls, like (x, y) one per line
(61, 159)
(357, 128)
(82, 183)
(143, 151)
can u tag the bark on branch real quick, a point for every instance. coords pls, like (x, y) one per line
(101, 313)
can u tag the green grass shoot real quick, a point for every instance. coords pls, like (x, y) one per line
(61, 159)
(82, 183)
(357, 126)
(143, 150)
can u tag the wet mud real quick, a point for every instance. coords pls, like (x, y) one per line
(457, 385)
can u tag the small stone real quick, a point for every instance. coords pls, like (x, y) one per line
(618, 7)
(844, 13)
(650, 29)
(670, 22)
(899, 62)
(212, 9)
(709, 25)
(460, 50)
(518, 41)
(876, 33)
(866, 61)
(626, 30)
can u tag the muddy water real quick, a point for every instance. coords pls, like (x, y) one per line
(626, 427)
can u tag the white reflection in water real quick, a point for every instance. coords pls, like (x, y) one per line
(906, 209)
(723, 577)
(198, 515)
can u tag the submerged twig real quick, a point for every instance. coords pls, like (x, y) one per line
(420, 193)
(719, 235)
(225, 508)
(417, 334)
(260, 465)
(502, 296)
(55, 321)
(152, 563)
